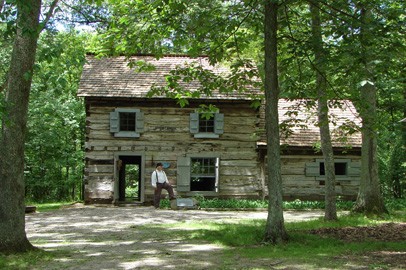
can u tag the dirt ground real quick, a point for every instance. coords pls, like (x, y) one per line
(107, 238)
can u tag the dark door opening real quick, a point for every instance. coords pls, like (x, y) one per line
(129, 178)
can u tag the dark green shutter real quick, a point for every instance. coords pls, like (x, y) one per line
(219, 123)
(139, 122)
(183, 174)
(114, 122)
(312, 169)
(194, 123)
(354, 168)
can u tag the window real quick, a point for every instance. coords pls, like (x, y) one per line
(344, 169)
(203, 127)
(126, 122)
(340, 168)
(203, 174)
(198, 174)
(206, 125)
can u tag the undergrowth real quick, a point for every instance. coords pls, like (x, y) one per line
(391, 204)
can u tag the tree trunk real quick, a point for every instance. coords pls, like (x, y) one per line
(330, 212)
(370, 199)
(12, 207)
(275, 227)
(399, 154)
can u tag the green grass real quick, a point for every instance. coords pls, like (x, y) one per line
(391, 204)
(25, 260)
(51, 206)
(245, 240)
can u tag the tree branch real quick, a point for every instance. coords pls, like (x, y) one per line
(237, 28)
(50, 13)
(315, 3)
(1, 5)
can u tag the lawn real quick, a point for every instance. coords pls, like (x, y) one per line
(136, 238)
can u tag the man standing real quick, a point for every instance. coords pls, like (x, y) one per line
(159, 181)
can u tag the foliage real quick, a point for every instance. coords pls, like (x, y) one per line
(54, 158)
(54, 153)
(230, 204)
(48, 206)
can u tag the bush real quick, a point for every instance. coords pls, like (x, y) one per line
(392, 205)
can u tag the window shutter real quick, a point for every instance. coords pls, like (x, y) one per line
(114, 123)
(354, 168)
(139, 122)
(194, 123)
(183, 174)
(219, 123)
(312, 169)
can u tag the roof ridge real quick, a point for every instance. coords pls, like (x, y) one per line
(153, 55)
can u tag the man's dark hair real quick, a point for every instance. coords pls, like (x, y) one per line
(158, 164)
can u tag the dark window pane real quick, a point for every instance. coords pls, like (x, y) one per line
(127, 121)
(206, 125)
(340, 168)
(203, 174)
(203, 184)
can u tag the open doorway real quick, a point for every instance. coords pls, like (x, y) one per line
(130, 178)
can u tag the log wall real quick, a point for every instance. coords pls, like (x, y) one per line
(166, 136)
(296, 185)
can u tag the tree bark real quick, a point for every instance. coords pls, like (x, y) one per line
(330, 212)
(12, 207)
(275, 227)
(370, 200)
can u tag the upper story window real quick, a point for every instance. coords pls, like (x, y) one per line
(206, 125)
(203, 127)
(125, 122)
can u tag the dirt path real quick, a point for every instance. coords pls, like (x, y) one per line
(106, 237)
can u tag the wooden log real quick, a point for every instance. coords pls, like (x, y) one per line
(30, 209)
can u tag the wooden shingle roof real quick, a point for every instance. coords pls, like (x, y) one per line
(113, 76)
(298, 124)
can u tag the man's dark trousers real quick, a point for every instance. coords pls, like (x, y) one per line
(158, 191)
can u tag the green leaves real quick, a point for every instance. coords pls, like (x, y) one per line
(54, 155)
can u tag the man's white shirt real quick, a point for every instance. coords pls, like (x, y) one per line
(158, 176)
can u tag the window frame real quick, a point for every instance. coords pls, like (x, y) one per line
(115, 123)
(352, 169)
(184, 174)
(206, 175)
(194, 126)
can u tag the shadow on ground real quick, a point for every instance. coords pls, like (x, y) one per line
(108, 238)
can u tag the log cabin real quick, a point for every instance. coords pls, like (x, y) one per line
(221, 156)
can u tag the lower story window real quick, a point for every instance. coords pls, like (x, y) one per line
(340, 168)
(203, 174)
(344, 169)
(198, 174)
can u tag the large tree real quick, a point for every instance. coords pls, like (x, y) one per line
(322, 112)
(370, 198)
(14, 122)
(275, 228)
